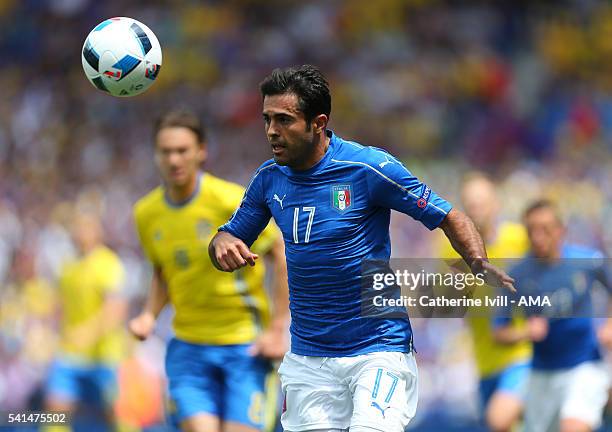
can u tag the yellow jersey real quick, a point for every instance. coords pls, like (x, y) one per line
(491, 357)
(211, 306)
(85, 284)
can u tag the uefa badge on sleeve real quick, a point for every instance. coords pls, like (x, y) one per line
(342, 196)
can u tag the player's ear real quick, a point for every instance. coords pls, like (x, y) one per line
(202, 152)
(319, 123)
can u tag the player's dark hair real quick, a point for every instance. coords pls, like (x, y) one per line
(181, 118)
(306, 82)
(541, 204)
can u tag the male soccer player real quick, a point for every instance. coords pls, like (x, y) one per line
(503, 368)
(568, 385)
(215, 364)
(92, 335)
(331, 199)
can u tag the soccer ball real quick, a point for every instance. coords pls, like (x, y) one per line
(121, 56)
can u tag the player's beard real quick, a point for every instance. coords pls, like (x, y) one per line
(297, 153)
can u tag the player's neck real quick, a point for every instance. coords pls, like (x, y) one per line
(86, 249)
(554, 256)
(321, 148)
(178, 194)
(488, 233)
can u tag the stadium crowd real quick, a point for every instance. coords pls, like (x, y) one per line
(518, 90)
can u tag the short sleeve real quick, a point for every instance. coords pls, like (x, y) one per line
(145, 240)
(111, 274)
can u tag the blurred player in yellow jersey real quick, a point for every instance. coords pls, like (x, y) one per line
(218, 362)
(502, 369)
(92, 334)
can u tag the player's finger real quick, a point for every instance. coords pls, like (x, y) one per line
(221, 260)
(137, 330)
(246, 253)
(255, 349)
(251, 258)
(229, 261)
(509, 286)
(235, 258)
(231, 258)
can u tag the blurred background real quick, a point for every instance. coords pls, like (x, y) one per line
(521, 90)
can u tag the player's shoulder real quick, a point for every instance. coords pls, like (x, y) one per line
(522, 266)
(267, 170)
(511, 229)
(220, 194)
(105, 256)
(149, 203)
(512, 240)
(363, 156)
(580, 251)
(269, 166)
(218, 186)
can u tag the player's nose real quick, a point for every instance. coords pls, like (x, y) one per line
(272, 131)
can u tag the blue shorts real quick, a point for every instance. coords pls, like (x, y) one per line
(222, 380)
(512, 380)
(93, 384)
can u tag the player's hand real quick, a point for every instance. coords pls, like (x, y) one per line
(271, 344)
(229, 253)
(142, 326)
(537, 329)
(494, 276)
(604, 334)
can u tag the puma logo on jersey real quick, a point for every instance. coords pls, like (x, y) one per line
(387, 161)
(280, 200)
(378, 407)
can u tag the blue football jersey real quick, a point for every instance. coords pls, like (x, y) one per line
(332, 217)
(571, 337)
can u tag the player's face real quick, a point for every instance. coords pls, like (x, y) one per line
(545, 233)
(291, 137)
(178, 155)
(480, 202)
(86, 232)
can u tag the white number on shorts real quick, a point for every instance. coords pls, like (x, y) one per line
(379, 375)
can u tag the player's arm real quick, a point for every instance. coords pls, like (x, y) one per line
(281, 289)
(229, 249)
(273, 341)
(228, 253)
(534, 330)
(465, 239)
(603, 273)
(113, 311)
(394, 186)
(142, 326)
(108, 318)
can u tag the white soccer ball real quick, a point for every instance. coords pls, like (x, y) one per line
(121, 56)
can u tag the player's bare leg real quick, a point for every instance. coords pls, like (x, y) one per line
(201, 423)
(58, 405)
(328, 430)
(503, 411)
(238, 427)
(574, 425)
